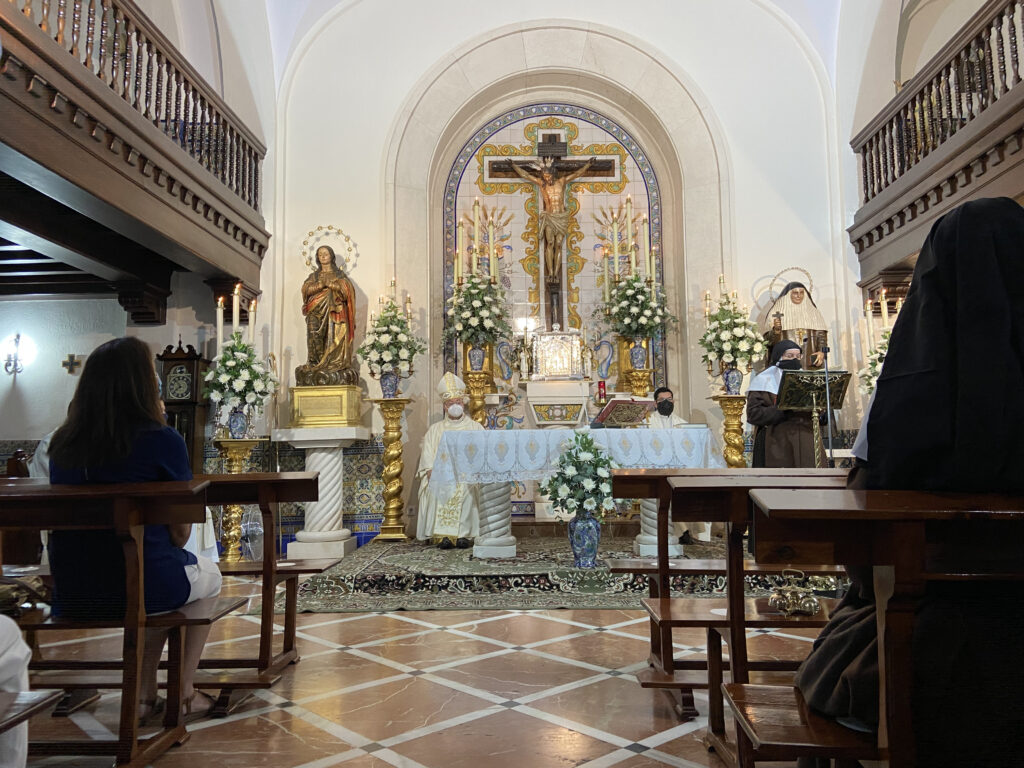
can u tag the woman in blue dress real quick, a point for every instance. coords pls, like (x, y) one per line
(115, 432)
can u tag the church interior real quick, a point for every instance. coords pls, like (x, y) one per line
(436, 242)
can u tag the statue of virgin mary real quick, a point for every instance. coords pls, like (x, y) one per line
(329, 305)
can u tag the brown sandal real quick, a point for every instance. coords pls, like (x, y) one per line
(189, 713)
(155, 710)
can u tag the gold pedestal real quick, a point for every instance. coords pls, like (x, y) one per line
(392, 527)
(732, 430)
(336, 406)
(639, 381)
(479, 383)
(235, 453)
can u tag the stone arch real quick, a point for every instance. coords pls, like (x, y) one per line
(599, 68)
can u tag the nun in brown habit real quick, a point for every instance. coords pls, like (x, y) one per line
(948, 415)
(781, 438)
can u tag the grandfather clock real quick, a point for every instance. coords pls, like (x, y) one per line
(181, 374)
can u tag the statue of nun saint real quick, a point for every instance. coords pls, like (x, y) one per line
(795, 317)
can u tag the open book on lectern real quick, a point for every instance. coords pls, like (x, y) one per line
(805, 390)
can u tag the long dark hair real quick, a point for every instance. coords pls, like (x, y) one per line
(116, 396)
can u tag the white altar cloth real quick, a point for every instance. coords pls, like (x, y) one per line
(498, 455)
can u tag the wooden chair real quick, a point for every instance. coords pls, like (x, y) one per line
(917, 538)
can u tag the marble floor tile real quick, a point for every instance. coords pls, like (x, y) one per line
(504, 740)
(430, 648)
(364, 630)
(521, 630)
(601, 649)
(393, 708)
(595, 618)
(514, 675)
(453, 618)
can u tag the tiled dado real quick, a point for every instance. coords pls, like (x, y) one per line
(439, 689)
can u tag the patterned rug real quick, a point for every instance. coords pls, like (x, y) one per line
(391, 576)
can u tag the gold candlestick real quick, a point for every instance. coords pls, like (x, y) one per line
(392, 527)
(732, 430)
(235, 453)
(478, 383)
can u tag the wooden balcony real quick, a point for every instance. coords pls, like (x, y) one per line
(953, 133)
(118, 163)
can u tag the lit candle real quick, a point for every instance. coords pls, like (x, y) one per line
(869, 314)
(607, 282)
(721, 283)
(884, 302)
(491, 260)
(648, 263)
(460, 251)
(220, 322)
(476, 233)
(615, 246)
(629, 233)
(252, 321)
(236, 299)
(524, 360)
(899, 307)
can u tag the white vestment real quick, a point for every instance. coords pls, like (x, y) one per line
(656, 421)
(14, 658)
(453, 515)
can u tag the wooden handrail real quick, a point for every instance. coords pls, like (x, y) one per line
(976, 68)
(119, 45)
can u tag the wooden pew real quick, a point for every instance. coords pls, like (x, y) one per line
(921, 537)
(712, 495)
(124, 508)
(268, 490)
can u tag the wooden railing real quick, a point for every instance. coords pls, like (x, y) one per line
(116, 42)
(971, 73)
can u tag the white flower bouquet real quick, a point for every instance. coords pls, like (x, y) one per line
(477, 314)
(389, 345)
(636, 309)
(868, 375)
(237, 379)
(583, 479)
(730, 338)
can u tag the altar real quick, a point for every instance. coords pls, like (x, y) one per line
(503, 456)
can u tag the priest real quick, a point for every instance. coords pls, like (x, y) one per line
(449, 517)
(664, 417)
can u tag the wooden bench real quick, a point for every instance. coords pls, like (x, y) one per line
(710, 495)
(16, 708)
(125, 509)
(916, 538)
(268, 490)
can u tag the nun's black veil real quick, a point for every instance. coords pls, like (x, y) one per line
(949, 410)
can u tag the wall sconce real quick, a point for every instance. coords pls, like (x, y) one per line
(18, 351)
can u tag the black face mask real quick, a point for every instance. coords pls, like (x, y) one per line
(789, 365)
(665, 407)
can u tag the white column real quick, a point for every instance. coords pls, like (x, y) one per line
(646, 542)
(323, 534)
(495, 539)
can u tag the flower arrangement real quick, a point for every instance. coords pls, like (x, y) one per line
(636, 309)
(389, 345)
(477, 314)
(237, 379)
(868, 375)
(730, 337)
(582, 480)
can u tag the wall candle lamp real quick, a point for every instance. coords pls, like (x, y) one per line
(18, 351)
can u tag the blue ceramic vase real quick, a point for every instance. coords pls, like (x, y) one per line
(389, 384)
(638, 355)
(238, 423)
(733, 379)
(584, 538)
(476, 358)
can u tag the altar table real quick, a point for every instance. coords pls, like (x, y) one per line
(503, 456)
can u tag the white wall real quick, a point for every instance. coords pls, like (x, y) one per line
(925, 27)
(34, 402)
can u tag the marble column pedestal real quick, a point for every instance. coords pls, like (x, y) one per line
(646, 542)
(323, 534)
(495, 538)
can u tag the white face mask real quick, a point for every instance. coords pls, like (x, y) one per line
(455, 411)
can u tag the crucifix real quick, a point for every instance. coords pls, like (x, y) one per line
(71, 363)
(552, 174)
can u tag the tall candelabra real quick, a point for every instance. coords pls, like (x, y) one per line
(732, 430)
(235, 453)
(392, 527)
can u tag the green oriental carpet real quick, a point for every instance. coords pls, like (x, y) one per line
(391, 576)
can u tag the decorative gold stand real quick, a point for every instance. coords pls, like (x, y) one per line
(639, 380)
(732, 431)
(392, 527)
(235, 453)
(478, 383)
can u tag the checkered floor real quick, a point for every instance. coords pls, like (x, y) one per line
(439, 689)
